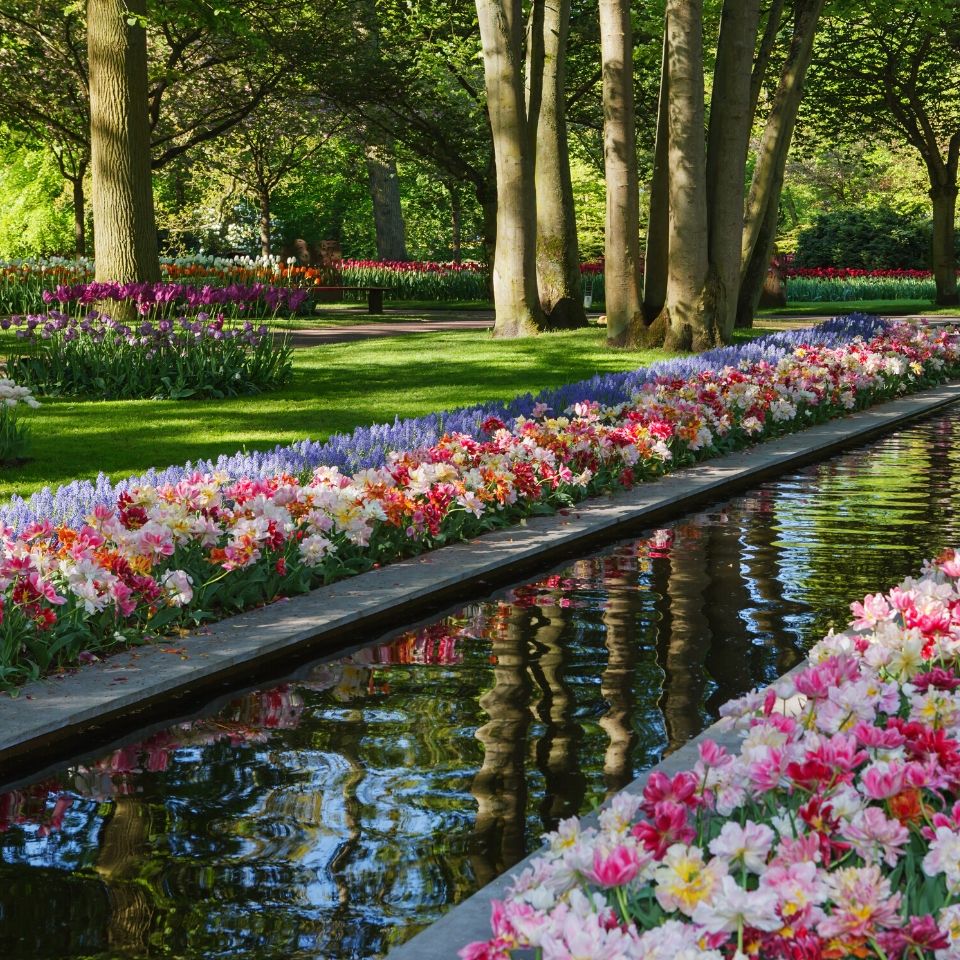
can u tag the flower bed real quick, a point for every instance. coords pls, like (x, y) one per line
(96, 356)
(368, 447)
(160, 555)
(821, 284)
(834, 831)
(168, 300)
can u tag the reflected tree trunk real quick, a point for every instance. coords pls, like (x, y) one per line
(500, 785)
(728, 660)
(616, 682)
(121, 858)
(558, 749)
(762, 561)
(684, 639)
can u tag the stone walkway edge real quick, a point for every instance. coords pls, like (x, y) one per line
(54, 717)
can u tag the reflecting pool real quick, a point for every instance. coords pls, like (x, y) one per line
(333, 817)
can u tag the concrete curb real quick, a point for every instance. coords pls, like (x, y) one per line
(106, 700)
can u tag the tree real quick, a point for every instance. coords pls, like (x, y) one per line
(267, 146)
(385, 194)
(898, 69)
(696, 204)
(515, 296)
(429, 95)
(125, 234)
(558, 257)
(204, 75)
(622, 236)
(761, 211)
(43, 90)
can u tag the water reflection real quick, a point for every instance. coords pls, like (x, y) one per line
(334, 816)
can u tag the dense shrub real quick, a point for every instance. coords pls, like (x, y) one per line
(870, 239)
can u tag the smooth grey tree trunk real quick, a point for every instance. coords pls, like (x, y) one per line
(558, 254)
(125, 233)
(731, 116)
(772, 155)
(944, 200)
(385, 194)
(686, 320)
(622, 235)
(515, 296)
(658, 222)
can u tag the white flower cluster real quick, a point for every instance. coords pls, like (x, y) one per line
(12, 395)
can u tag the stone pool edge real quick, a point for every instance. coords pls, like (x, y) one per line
(50, 713)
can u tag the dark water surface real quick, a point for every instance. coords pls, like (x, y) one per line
(335, 817)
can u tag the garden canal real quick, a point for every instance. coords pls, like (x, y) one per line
(334, 816)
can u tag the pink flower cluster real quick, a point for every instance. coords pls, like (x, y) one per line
(832, 832)
(212, 544)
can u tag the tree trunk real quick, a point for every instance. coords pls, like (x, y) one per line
(727, 142)
(775, 144)
(456, 224)
(762, 60)
(516, 302)
(385, 193)
(944, 250)
(558, 256)
(687, 320)
(754, 274)
(622, 236)
(263, 203)
(125, 232)
(658, 224)
(487, 198)
(79, 215)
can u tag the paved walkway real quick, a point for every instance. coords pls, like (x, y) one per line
(483, 320)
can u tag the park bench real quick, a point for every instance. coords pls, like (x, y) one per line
(374, 295)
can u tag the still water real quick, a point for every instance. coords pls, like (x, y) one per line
(336, 816)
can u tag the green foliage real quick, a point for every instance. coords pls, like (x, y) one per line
(861, 289)
(876, 239)
(590, 197)
(35, 216)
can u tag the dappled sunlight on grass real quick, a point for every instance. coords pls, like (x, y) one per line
(335, 388)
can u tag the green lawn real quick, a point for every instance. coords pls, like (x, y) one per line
(335, 388)
(889, 308)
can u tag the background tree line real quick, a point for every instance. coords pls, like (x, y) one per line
(682, 138)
